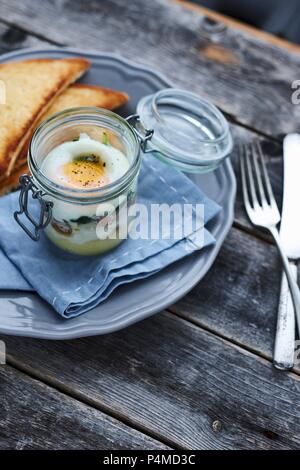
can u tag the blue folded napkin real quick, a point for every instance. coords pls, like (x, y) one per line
(74, 284)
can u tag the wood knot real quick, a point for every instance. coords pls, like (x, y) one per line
(270, 435)
(13, 36)
(216, 426)
(213, 28)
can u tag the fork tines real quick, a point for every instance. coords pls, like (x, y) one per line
(257, 190)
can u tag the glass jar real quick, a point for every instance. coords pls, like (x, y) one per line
(77, 215)
(178, 127)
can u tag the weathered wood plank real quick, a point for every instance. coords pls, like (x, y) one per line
(233, 23)
(35, 416)
(246, 77)
(186, 386)
(239, 296)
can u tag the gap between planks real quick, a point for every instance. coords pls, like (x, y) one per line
(253, 232)
(234, 120)
(80, 397)
(230, 341)
(116, 414)
(39, 36)
(227, 338)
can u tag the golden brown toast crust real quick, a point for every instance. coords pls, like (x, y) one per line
(98, 96)
(28, 98)
(11, 182)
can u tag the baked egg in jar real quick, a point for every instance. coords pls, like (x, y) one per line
(86, 161)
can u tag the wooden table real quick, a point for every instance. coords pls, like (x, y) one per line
(199, 375)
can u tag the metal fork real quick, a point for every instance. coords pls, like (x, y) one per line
(262, 208)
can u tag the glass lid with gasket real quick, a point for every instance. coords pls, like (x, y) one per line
(189, 132)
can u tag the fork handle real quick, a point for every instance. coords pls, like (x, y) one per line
(284, 349)
(294, 289)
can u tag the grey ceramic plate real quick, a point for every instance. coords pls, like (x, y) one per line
(25, 314)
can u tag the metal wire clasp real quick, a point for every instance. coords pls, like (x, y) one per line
(148, 133)
(45, 212)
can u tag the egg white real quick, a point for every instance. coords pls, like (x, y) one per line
(115, 162)
(116, 165)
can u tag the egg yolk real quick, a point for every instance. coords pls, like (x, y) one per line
(83, 173)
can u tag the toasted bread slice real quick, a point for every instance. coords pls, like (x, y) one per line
(31, 87)
(87, 95)
(11, 182)
(80, 95)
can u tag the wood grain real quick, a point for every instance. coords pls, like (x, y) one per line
(235, 24)
(255, 88)
(174, 380)
(238, 298)
(35, 416)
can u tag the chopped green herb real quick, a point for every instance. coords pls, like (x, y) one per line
(75, 139)
(92, 158)
(82, 220)
(105, 139)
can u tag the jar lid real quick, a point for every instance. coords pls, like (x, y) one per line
(189, 132)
